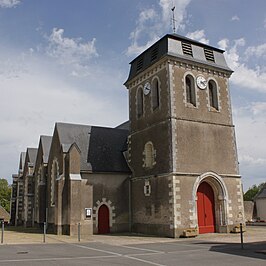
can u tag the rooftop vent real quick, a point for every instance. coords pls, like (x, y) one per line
(154, 53)
(209, 55)
(187, 49)
(140, 64)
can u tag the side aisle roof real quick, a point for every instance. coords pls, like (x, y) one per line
(46, 144)
(101, 147)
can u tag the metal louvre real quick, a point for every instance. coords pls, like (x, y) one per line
(140, 64)
(187, 49)
(154, 53)
(209, 55)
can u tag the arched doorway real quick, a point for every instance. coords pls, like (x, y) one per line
(206, 208)
(103, 220)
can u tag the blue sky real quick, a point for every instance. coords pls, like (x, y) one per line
(67, 61)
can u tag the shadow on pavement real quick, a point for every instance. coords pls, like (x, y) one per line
(252, 250)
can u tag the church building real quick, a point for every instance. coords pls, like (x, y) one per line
(171, 170)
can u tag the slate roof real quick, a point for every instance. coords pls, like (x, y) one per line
(75, 133)
(125, 125)
(46, 145)
(261, 194)
(171, 45)
(32, 154)
(22, 161)
(106, 147)
(101, 147)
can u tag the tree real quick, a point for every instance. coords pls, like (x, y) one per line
(5, 194)
(252, 192)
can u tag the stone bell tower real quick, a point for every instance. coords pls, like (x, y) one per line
(181, 148)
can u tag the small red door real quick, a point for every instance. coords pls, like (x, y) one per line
(206, 210)
(103, 220)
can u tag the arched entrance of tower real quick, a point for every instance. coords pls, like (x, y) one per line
(211, 203)
(205, 208)
(103, 220)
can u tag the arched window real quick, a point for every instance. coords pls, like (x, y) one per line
(54, 175)
(190, 90)
(139, 102)
(39, 173)
(213, 95)
(149, 153)
(147, 188)
(155, 94)
(42, 177)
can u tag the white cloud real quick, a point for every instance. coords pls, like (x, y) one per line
(42, 99)
(235, 18)
(180, 12)
(244, 76)
(254, 79)
(247, 159)
(71, 51)
(145, 17)
(258, 108)
(152, 23)
(11, 70)
(258, 51)
(231, 54)
(198, 35)
(223, 44)
(250, 135)
(9, 3)
(255, 111)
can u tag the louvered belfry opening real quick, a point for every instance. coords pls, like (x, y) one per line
(154, 53)
(139, 64)
(209, 55)
(187, 48)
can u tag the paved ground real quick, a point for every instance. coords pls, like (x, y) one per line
(208, 249)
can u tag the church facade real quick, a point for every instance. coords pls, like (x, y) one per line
(169, 171)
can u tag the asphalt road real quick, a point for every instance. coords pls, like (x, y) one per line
(179, 252)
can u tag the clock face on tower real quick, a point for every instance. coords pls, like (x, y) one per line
(147, 88)
(201, 82)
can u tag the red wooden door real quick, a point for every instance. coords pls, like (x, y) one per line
(206, 210)
(103, 220)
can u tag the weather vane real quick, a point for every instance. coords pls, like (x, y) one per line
(173, 19)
